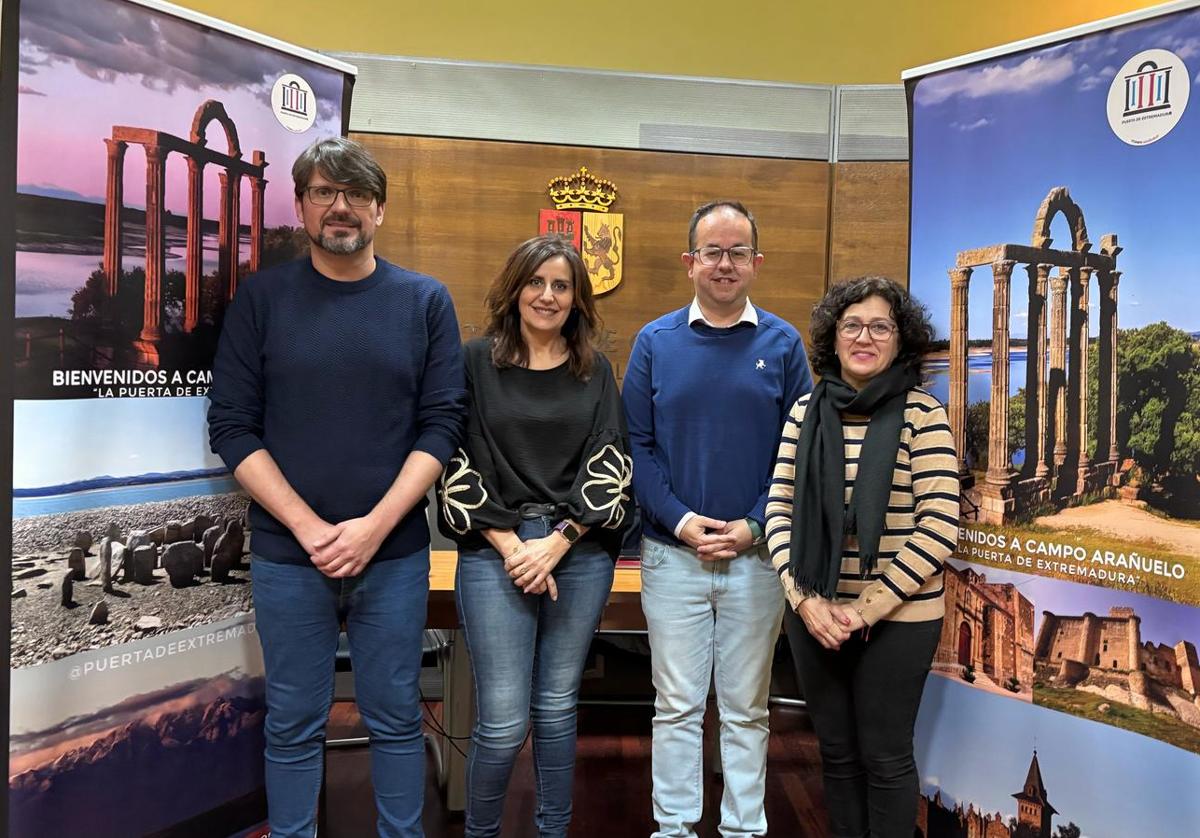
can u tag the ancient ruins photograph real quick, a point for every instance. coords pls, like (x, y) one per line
(133, 233)
(125, 526)
(1067, 324)
(1122, 659)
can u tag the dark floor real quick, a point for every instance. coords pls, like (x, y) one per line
(612, 781)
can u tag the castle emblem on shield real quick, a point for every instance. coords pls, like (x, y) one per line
(581, 214)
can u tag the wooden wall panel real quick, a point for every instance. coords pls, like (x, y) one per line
(456, 208)
(869, 224)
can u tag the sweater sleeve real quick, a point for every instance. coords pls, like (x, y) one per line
(443, 397)
(235, 410)
(467, 491)
(601, 496)
(797, 382)
(778, 529)
(650, 481)
(936, 514)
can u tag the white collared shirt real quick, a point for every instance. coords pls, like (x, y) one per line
(695, 315)
(748, 315)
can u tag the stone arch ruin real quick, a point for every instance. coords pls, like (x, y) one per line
(158, 146)
(1057, 429)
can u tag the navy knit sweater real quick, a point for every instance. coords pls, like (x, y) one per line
(705, 408)
(339, 382)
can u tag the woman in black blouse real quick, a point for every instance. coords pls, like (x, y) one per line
(537, 500)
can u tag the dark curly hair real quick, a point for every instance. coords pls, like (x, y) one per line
(912, 321)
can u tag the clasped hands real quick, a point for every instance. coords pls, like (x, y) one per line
(341, 550)
(714, 540)
(529, 563)
(831, 623)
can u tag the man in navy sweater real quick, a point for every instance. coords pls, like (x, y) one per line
(337, 399)
(706, 394)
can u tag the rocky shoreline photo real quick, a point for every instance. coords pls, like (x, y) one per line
(100, 577)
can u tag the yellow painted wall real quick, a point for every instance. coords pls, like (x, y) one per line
(845, 41)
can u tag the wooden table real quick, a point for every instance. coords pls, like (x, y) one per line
(623, 612)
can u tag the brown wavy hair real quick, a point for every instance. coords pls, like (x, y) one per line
(504, 318)
(912, 321)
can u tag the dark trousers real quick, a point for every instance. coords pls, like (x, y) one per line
(863, 702)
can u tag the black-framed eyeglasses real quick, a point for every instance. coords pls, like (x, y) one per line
(326, 196)
(877, 329)
(711, 256)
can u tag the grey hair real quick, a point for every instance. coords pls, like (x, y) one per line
(342, 161)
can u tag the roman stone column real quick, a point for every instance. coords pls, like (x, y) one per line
(223, 259)
(156, 159)
(1057, 379)
(114, 199)
(234, 229)
(1035, 372)
(195, 244)
(1106, 440)
(258, 186)
(960, 279)
(1082, 325)
(998, 461)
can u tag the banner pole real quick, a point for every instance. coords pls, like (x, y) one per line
(8, 187)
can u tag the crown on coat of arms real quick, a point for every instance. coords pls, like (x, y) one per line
(582, 190)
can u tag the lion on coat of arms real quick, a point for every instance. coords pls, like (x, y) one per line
(598, 247)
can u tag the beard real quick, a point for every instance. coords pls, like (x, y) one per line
(341, 245)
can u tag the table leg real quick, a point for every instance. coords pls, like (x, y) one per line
(458, 717)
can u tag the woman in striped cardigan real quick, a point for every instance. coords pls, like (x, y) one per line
(863, 511)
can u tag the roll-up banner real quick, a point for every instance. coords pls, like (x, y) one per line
(153, 152)
(1055, 217)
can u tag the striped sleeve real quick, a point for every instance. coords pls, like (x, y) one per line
(778, 529)
(935, 511)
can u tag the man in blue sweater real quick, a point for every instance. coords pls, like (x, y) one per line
(337, 399)
(706, 394)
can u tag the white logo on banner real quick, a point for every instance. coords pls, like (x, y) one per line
(1148, 96)
(294, 103)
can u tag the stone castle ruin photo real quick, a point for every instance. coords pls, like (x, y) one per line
(1106, 656)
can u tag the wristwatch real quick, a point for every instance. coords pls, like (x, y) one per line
(756, 532)
(567, 530)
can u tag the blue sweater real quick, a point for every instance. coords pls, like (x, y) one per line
(339, 382)
(705, 408)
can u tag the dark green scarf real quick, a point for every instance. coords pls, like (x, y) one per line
(820, 520)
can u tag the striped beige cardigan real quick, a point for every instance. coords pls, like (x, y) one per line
(921, 529)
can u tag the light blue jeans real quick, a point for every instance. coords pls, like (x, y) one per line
(298, 612)
(706, 619)
(527, 655)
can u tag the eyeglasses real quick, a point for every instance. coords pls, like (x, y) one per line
(877, 329)
(711, 256)
(326, 196)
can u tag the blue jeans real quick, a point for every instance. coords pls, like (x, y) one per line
(298, 612)
(527, 656)
(709, 621)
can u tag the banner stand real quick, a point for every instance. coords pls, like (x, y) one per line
(8, 187)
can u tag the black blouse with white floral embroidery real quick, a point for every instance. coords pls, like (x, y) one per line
(538, 440)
